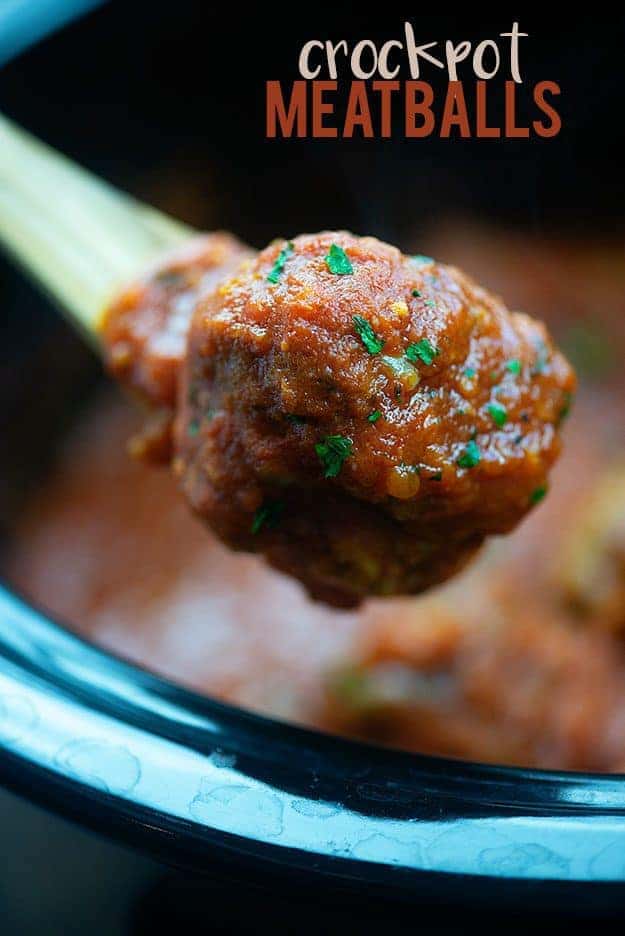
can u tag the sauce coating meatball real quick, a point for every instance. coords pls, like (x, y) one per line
(145, 330)
(362, 417)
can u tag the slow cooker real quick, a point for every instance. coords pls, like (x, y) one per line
(231, 818)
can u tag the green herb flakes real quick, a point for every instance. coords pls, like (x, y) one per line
(332, 452)
(370, 340)
(423, 351)
(374, 416)
(194, 427)
(338, 262)
(471, 455)
(268, 515)
(354, 688)
(498, 413)
(538, 494)
(565, 409)
(416, 293)
(542, 358)
(469, 372)
(514, 367)
(278, 267)
(422, 260)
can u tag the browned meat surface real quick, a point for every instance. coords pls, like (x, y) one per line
(145, 330)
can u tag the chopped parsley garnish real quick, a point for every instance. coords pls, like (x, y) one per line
(437, 476)
(338, 262)
(416, 293)
(498, 413)
(422, 260)
(538, 493)
(423, 351)
(514, 366)
(566, 408)
(332, 452)
(278, 267)
(470, 372)
(374, 416)
(194, 427)
(430, 303)
(370, 340)
(471, 455)
(169, 277)
(542, 358)
(268, 515)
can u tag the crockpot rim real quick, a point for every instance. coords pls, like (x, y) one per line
(199, 700)
(370, 786)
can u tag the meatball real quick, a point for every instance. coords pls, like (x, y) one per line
(590, 569)
(364, 418)
(532, 691)
(145, 330)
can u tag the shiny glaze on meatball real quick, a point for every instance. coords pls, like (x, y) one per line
(145, 330)
(362, 417)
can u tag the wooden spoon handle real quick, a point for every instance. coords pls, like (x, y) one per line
(77, 236)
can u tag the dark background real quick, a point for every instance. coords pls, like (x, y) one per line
(168, 100)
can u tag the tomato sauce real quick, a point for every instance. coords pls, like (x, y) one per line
(499, 665)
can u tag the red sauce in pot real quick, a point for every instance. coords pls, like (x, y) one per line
(501, 665)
